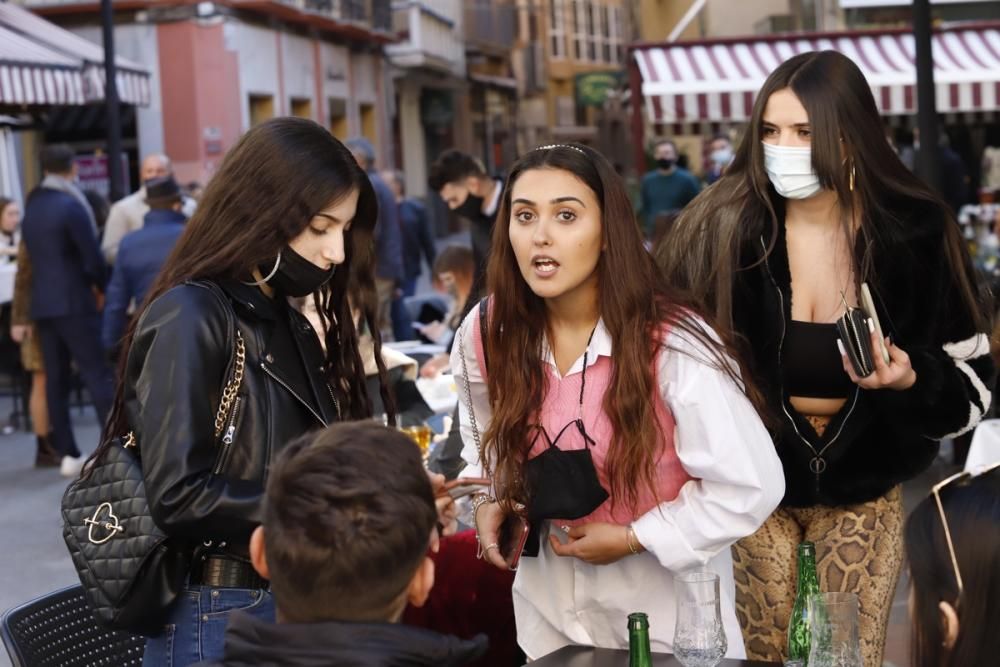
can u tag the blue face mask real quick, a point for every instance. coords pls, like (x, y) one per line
(722, 157)
(790, 170)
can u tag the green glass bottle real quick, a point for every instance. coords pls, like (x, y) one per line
(639, 654)
(808, 584)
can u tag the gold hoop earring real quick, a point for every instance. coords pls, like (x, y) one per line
(852, 177)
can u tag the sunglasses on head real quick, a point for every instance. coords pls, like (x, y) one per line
(964, 477)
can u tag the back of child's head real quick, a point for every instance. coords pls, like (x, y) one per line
(348, 519)
(970, 514)
(455, 259)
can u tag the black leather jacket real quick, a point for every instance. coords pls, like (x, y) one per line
(177, 366)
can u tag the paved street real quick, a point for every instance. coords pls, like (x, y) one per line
(34, 561)
(33, 557)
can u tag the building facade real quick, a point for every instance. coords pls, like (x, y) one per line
(568, 53)
(491, 33)
(428, 73)
(219, 68)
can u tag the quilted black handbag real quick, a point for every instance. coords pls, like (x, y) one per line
(130, 569)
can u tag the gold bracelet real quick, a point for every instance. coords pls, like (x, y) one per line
(629, 536)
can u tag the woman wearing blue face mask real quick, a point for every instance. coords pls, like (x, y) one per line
(815, 204)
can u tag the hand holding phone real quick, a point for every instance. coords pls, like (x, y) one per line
(464, 486)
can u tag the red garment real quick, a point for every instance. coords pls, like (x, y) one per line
(469, 597)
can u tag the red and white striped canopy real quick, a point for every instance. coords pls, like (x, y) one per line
(43, 64)
(716, 81)
(33, 74)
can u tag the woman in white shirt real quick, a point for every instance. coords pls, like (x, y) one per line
(608, 408)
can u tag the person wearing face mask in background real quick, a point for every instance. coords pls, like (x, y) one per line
(816, 203)
(719, 158)
(470, 192)
(128, 213)
(667, 188)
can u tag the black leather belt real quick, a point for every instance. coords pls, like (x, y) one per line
(223, 572)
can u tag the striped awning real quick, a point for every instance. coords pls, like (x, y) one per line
(717, 81)
(43, 64)
(33, 74)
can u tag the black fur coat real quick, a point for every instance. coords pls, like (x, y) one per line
(879, 438)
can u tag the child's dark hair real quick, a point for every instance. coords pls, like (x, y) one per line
(453, 166)
(972, 509)
(348, 519)
(455, 259)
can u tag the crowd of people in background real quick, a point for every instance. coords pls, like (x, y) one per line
(635, 380)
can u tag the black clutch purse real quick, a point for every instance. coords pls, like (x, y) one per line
(856, 337)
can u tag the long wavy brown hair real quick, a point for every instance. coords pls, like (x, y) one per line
(270, 185)
(635, 304)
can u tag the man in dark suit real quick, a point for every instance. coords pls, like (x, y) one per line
(142, 254)
(68, 276)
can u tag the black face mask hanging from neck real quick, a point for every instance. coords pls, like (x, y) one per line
(296, 276)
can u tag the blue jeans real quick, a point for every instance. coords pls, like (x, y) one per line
(196, 627)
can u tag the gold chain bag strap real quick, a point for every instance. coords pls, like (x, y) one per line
(131, 571)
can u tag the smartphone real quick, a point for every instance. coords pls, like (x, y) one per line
(513, 535)
(464, 486)
(868, 304)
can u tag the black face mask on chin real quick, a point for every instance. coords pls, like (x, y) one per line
(297, 276)
(665, 163)
(471, 208)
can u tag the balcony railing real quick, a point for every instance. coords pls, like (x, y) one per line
(374, 13)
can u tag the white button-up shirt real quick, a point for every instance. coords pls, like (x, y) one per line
(719, 440)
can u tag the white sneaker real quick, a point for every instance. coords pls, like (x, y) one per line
(71, 466)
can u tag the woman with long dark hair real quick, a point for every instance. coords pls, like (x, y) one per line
(609, 409)
(289, 214)
(953, 552)
(815, 205)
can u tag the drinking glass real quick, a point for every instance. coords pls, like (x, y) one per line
(834, 625)
(699, 639)
(421, 435)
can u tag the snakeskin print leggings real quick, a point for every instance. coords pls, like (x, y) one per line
(859, 549)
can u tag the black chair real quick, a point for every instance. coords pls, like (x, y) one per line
(58, 630)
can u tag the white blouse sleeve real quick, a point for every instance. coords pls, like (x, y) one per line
(464, 343)
(722, 443)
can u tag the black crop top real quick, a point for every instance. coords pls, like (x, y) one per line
(811, 365)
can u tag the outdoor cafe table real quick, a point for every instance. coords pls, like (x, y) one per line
(587, 656)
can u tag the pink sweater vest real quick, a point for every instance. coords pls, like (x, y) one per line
(561, 405)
